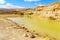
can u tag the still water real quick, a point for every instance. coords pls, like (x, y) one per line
(40, 25)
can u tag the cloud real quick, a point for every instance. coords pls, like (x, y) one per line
(4, 4)
(2, 1)
(9, 5)
(41, 4)
(31, 0)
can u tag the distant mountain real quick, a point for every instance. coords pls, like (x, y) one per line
(48, 9)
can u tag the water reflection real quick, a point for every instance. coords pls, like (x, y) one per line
(22, 21)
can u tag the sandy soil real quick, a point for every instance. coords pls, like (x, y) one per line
(11, 31)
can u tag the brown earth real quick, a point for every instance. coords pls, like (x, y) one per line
(11, 31)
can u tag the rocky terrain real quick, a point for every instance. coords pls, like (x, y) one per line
(9, 30)
(48, 10)
(52, 10)
(45, 11)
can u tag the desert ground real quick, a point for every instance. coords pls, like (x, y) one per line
(9, 30)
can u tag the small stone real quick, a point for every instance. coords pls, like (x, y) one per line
(26, 35)
(32, 36)
(24, 28)
(27, 31)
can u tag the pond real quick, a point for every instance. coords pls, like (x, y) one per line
(40, 25)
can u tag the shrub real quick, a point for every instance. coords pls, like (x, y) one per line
(30, 13)
(52, 18)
